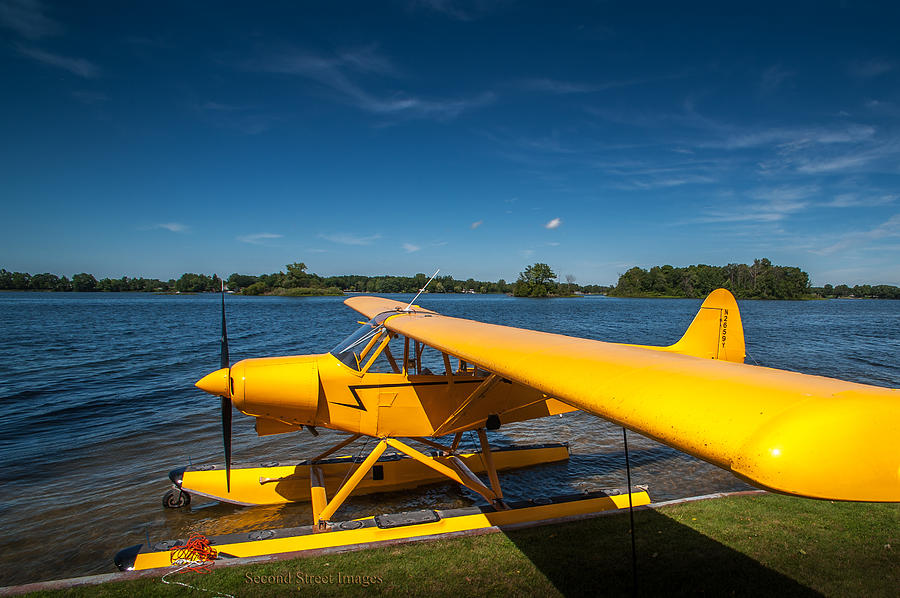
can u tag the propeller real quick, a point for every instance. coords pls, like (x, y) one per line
(226, 398)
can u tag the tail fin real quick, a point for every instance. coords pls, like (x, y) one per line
(716, 332)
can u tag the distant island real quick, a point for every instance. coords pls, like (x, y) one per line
(760, 280)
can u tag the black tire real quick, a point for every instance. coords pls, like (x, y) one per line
(175, 499)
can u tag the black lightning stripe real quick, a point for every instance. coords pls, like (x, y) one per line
(359, 404)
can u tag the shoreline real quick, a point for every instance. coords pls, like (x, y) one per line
(751, 541)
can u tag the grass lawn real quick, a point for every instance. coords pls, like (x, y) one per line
(742, 546)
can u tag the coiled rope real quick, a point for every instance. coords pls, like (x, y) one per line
(196, 555)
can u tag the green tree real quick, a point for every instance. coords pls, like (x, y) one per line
(197, 283)
(296, 276)
(20, 281)
(44, 282)
(236, 281)
(535, 281)
(257, 288)
(84, 282)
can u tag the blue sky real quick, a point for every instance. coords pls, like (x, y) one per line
(152, 139)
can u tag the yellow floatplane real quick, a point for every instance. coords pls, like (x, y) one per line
(783, 431)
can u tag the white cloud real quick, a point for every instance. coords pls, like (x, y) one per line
(855, 200)
(870, 68)
(476, 224)
(175, 227)
(246, 119)
(556, 87)
(553, 223)
(826, 150)
(340, 74)
(77, 66)
(784, 193)
(810, 149)
(461, 10)
(27, 18)
(90, 97)
(886, 230)
(665, 182)
(410, 248)
(350, 238)
(817, 166)
(790, 138)
(259, 238)
(219, 107)
(773, 77)
(768, 205)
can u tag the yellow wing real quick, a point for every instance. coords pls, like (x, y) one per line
(785, 431)
(372, 306)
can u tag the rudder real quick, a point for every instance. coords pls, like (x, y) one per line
(716, 332)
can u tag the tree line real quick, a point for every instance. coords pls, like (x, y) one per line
(760, 280)
(82, 282)
(294, 280)
(865, 291)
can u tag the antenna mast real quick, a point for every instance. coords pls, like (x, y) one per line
(422, 290)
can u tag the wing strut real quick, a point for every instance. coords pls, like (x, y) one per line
(479, 392)
(489, 464)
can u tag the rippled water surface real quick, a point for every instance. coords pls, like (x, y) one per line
(99, 404)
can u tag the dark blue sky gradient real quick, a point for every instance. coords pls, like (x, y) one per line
(398, 137)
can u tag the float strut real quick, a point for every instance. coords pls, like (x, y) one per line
(337, 447)
(468, 479)
(489, 464)
(435, 445)
(317, 491)
(350, 484)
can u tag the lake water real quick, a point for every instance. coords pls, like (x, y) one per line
(99, 404)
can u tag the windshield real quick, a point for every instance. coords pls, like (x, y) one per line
(353, 350)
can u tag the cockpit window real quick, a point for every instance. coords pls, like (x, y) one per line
(356, 349)
(374, 349)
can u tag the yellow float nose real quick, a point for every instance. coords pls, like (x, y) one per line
(215, 383)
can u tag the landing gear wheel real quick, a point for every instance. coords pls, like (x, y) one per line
(175, 499)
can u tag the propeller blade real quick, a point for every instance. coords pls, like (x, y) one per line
(224, 352)
(226, 399)
(226, 436)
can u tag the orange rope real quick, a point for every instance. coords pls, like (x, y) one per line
(197, 552)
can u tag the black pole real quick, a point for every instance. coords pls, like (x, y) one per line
(630, 516)
(226, 399)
